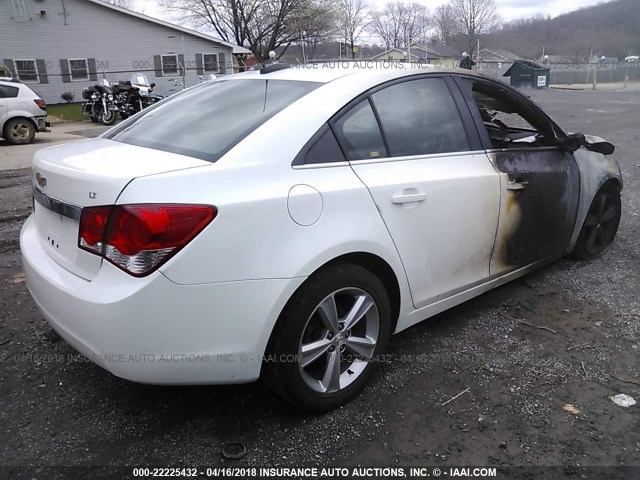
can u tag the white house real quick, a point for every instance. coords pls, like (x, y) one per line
(57, 46)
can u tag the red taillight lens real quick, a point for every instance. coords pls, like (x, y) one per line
(41, 103)
(140, 238)
(92, 224)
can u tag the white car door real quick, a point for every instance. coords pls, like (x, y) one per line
(5, 91)
(436, 191)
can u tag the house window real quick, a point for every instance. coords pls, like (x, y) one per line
(210, 62)
(78, 69)
(170, 64)
(26, 70)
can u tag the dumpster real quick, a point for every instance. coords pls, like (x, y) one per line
(528, 74)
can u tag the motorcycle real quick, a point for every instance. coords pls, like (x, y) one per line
(100, 104)
(135, 95)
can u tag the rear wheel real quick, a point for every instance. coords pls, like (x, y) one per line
(601, 225)
(19, 131)
(327, 340)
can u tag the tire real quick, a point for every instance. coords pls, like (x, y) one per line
(601, 225)
(303, 375)
(19, 131)
(109, 117)
(124, 116)
(95, 119)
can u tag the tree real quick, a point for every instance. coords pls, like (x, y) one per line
(319, 23)
(401, 23)
(259, 25)
(121, 3)
(473, 18)
(352, 20)
(444, 22)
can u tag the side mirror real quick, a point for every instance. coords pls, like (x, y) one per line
(152, 85)
(574, 141)
(571, 142)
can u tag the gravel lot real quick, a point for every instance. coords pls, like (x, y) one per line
(59, 412)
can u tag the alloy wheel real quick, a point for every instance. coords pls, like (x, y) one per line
(339, 340)
(601, 223)
(21, 131)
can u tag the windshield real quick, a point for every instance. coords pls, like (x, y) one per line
(208, 120)
(139, 79)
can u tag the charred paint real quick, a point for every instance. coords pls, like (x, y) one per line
(595, 170)
(537, 221)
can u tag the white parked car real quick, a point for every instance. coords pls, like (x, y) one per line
(22, 112)
(284, 223)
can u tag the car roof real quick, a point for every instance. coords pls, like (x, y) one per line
(326, 72)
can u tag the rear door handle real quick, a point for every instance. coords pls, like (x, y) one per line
(408, 198)
(517, 185)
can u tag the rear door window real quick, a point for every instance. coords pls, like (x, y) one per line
(208, 120)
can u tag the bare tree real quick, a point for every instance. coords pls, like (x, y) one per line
(319, 23)
(352, 20)
(473, 18)
(259, 25)
(444, 21)
(121, 3)
(401, 23)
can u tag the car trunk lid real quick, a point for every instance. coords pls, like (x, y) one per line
(94, 172)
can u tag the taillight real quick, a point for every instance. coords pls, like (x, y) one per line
(41, 103)
(140, 238)
(92, 224)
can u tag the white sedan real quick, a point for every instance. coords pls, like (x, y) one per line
(283, 223)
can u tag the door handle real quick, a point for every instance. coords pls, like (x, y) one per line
(408, 198)
(517, 185)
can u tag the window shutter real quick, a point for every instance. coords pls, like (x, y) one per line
(9, 64)
(222, 65)
(91, 66)
(64, 69)
(182, 65)
(157, 65)
(199, 64)
(41, 65)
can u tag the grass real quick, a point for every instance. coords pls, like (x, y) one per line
(66, 112)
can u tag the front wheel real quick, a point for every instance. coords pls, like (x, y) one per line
(108, 117)
(328, 338)
(601, 225)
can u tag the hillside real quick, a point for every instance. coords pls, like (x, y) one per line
(611, 29)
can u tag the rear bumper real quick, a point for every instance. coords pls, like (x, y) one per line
(42, 124)
(151, 330)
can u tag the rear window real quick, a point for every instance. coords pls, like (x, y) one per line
(208, 120)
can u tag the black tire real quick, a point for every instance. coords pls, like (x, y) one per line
(124, 116)
(601, 225)
(109, 117)
(95, 119)
(351, 288)
(19, 131)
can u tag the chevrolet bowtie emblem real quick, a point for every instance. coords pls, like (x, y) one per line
(42, 181)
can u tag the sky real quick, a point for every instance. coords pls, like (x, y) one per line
(509, 9)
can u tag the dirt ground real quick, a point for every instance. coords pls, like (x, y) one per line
(517, 378)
